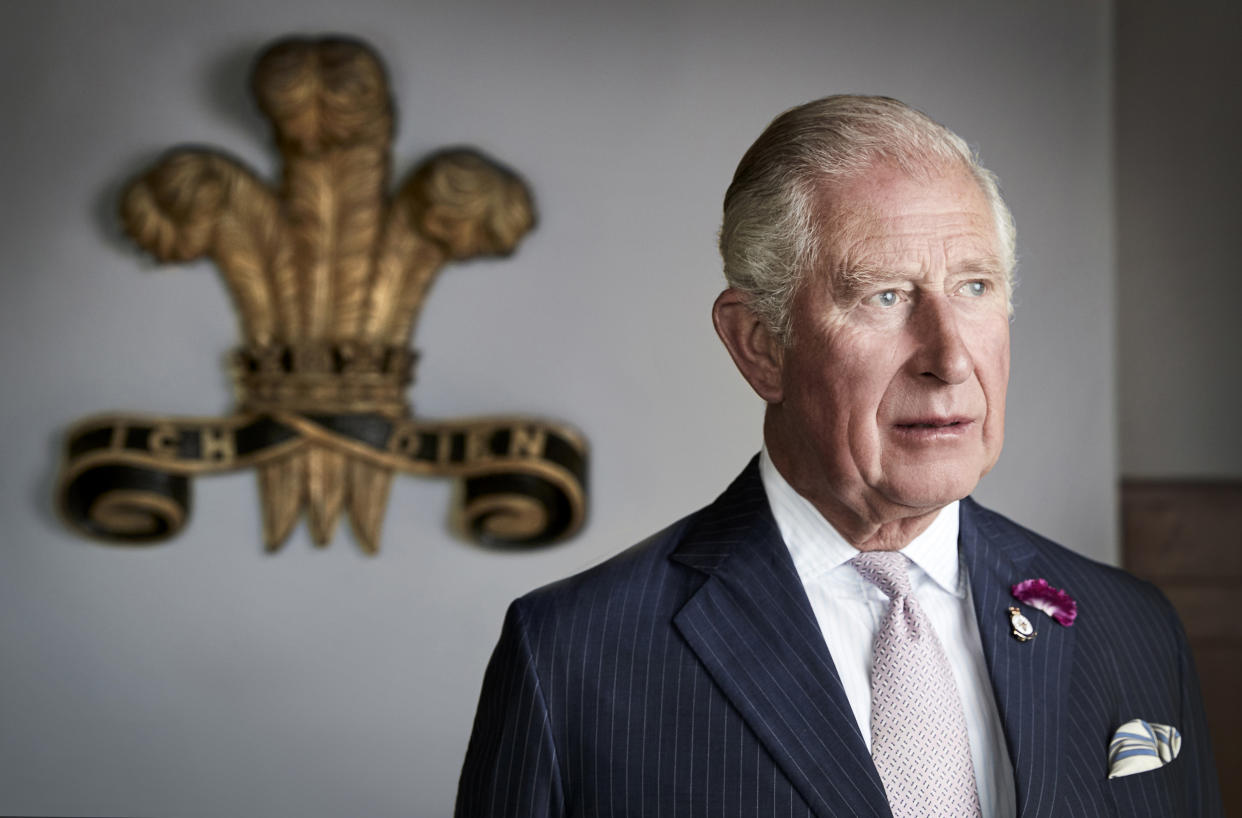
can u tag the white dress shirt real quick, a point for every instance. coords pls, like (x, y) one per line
(850, 609)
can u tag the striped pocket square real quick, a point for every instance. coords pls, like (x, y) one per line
(1139, 746)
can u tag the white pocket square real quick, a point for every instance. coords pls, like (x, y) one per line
(1139, 746)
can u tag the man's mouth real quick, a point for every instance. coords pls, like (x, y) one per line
(931, 424)
(933, 428)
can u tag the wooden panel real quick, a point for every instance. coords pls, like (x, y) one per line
(1206, 611)
(1187, 538)
(1184, 530)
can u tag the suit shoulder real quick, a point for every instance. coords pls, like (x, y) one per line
(639, 570)
(1085, 579)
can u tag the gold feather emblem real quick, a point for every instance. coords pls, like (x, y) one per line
(328, 274)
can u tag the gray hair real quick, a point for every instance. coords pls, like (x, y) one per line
(769, 236)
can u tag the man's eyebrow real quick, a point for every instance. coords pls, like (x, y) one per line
(984, 267)
(851, 280)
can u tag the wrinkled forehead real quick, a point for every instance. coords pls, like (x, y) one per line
(888, 213)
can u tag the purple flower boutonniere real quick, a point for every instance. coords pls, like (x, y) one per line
(1053, 601)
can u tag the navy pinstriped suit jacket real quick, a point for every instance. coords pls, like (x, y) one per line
(687, 676)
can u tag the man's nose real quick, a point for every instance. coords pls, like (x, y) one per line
(941, 351)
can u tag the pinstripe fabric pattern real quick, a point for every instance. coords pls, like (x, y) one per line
(687, 676)
(1063, 694)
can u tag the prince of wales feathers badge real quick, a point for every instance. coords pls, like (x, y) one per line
(328, 274)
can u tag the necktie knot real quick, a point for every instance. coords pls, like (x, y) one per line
(887, 570)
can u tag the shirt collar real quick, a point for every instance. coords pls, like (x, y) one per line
(817, 548)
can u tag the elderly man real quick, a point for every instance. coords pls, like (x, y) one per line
(844, 631)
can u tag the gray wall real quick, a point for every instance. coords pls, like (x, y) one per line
(1179, 203)
(203, 677)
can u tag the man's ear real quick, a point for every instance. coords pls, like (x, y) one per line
(754, 350)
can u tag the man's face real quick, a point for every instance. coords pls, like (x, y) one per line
(893, 385)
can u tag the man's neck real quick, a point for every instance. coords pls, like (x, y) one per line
(866, 527)
(893, 535)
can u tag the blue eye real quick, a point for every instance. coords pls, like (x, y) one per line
(885, 299)
(975, 287)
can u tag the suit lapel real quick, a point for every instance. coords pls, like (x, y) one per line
(752, 627)
(1029, 679)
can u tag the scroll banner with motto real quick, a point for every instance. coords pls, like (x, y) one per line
(328, 273)
(128, 478)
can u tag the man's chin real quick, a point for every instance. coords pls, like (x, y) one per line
(929, 492)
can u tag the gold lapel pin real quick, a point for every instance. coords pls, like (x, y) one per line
(1023, 630)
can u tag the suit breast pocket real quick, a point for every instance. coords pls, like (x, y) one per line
(1155, 792)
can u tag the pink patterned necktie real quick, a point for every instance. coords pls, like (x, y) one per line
(918, 730)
